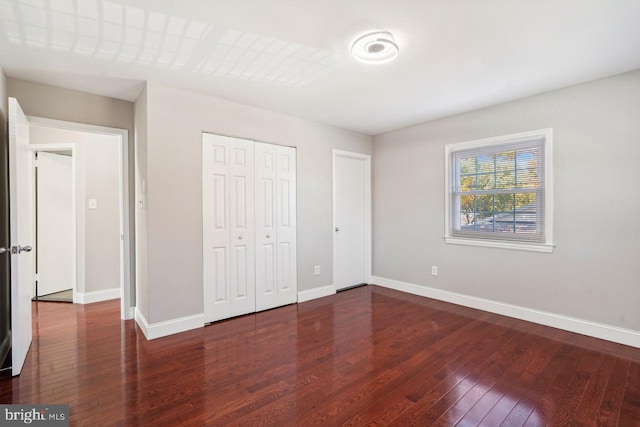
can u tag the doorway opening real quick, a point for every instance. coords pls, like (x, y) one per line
(96, 257)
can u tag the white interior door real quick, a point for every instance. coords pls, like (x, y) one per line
(351, 204)
(266, 291)
(228, 227)
(276, 273)
(21, 209)
(55, 223)
(286, 225)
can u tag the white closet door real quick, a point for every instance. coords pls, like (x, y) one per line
(286, 282)
(242, 236)
(228, 247)
(266, 291)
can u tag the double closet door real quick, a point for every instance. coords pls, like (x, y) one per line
(249, 225)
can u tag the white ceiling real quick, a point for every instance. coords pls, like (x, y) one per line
(293, 56)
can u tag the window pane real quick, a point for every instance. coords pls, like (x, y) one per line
(505, 158)
(504, 213)
(526, 213)
(484, 203)
(467, 209)
(504, 225)
(504, 202)
(467, 183)
(527, 178)
(485, 164)
(466, 221)
(525, 200)
(527, 158)
(484, 222)
(468, 165)
(486, 181)
(506, 179)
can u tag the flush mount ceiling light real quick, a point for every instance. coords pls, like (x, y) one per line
(375, 48)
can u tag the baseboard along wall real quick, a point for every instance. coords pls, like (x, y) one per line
(97, 296)
(152, 331)
(567, 323)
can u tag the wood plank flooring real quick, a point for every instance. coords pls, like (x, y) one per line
(367, 356)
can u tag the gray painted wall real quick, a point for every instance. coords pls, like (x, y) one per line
(102, 258)
(63, 104)
(140, 211)
(593, 273)
(175, 122)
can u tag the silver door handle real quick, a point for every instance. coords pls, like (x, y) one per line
(268, 236)
(337, 229)
(15, 250)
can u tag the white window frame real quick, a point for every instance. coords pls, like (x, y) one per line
(547, 136)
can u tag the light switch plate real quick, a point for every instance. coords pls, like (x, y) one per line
(93, 203)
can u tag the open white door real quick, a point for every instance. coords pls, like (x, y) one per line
(21, 228)
(56, 225)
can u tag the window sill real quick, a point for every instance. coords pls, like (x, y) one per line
(531, 247)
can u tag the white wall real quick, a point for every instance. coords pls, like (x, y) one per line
(175, 122)
(98, 178)
(594, 272)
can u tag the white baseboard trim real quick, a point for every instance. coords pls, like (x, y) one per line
(152, 331)
(97, 296)
(572, 324)
(314, 293)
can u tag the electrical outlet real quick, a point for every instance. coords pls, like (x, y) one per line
(434, 270)
(316, 270)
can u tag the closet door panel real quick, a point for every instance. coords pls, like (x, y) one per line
(241, 172)
(286, 276)
(215, 210)
(265, 178)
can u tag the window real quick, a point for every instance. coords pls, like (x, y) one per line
(499, 192)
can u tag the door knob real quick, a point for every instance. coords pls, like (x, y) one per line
(268, 236)
(337, 229)
(24, 249)
(239, 237)
(3, 250)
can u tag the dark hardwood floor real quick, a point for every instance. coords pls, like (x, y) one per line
(367, 356)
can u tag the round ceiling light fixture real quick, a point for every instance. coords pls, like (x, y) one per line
(375, 48)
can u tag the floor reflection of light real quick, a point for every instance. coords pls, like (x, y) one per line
(113, 31)
(472, 400)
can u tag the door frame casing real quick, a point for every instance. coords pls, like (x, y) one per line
(366, 158)
(126, 307)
